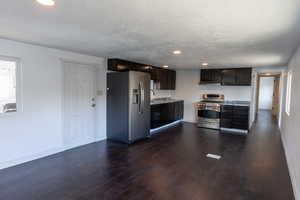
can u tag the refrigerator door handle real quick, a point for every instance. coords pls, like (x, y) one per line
(142, 97)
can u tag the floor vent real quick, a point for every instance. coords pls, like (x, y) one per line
(213, 156)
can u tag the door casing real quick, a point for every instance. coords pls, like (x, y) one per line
(277, 78)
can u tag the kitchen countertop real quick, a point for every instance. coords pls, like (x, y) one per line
(163, 101)
(237, 103)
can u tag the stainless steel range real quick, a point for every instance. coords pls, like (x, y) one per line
(209, 111)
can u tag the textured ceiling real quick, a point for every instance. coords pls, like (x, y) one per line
(228, 33)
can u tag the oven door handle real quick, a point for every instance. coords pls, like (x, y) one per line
(211, 109)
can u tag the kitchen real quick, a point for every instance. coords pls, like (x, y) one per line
(159, 104)
(151, 100)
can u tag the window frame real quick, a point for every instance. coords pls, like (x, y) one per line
(288, 97)
(19, 81)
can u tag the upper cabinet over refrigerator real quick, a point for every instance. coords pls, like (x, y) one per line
(165, 79)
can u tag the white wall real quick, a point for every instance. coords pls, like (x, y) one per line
(188, 89)
(266, 93)
(290, 125)
(37, 130)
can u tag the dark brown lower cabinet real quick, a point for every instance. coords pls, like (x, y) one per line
(163, 114)
(226, 116)
(235, 117)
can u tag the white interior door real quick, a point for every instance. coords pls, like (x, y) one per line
(79, 104)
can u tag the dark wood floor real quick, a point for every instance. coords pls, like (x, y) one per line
(170, 165)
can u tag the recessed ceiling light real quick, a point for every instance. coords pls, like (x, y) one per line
(165, 66)
(177, 52)
(46, 2)
(204, 64)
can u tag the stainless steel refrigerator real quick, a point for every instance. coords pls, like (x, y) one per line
(128, 106)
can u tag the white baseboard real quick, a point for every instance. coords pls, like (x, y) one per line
(190, 121)
(43, 154)
(291, 168)
(101, 138)
(152, 131)
(28, 158)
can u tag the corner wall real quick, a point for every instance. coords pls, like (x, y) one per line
(37, 130)
(290, 125)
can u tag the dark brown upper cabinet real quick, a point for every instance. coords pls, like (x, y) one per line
(165, 77)
(118, 65)
(210, 76)
(172, 79)
(244, 76)
(237, 76)
(162, 79)
(154, 74)
(230, 77)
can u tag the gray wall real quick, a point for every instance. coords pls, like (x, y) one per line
(290, 125)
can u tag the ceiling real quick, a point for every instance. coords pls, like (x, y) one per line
(230, 33)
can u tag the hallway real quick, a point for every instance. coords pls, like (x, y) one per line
(170, 165)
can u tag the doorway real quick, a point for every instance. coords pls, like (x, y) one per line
(268, 94)
(78, 104)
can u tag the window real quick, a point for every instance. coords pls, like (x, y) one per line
(8, 84)
(288, 92)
